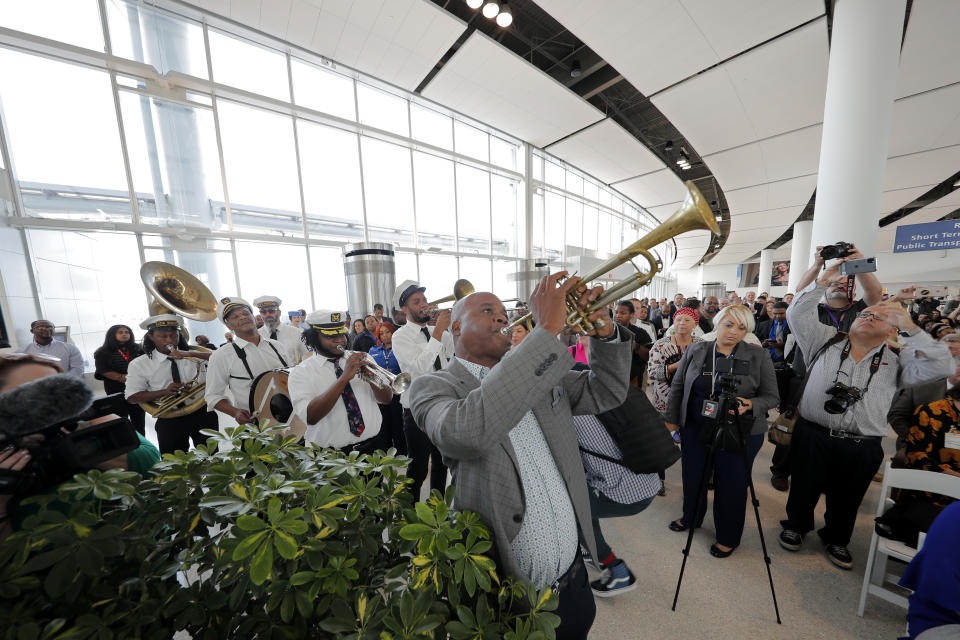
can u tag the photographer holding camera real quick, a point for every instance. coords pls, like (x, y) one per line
(693, 405)
(852, 378)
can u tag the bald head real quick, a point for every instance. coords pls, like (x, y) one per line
(476, 321)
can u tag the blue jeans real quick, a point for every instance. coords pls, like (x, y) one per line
(730, 484)
(603, 507)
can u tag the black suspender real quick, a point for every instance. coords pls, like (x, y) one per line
(243, 358)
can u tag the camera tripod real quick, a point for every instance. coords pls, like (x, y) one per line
(726, 422)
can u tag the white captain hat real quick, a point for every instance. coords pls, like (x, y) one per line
(266, 301)
(228, 304)
(328, 322)
(162, 321)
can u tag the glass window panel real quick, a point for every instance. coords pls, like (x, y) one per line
(603, 234)
(470, 141)
(261, 169)
(435, 197)
(169, 43)
(604, 198)
(329, 283)
(538, 167)
(473, 209)
(173, 161)
(537, 241)
(591, 190)
(505, 194)
(88, 281)
(64, 138)
(437, 273)
(72, 21)
(248, 66)
(260, 264)
(503, 153)
(405, 267)
(574, 183)
(553, 224)
(389, 191)
(382, 110)
(553, 174)
(322, 90)
(590, 223)
(505, 280)
(477, 271)
(574, 226)
(431, 127)
(616, 229)
(332, 193)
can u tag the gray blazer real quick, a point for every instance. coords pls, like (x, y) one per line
(469, 423)
(760, 386)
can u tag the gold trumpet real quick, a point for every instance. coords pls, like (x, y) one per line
(461, 289)
(179, 292)
(693, 214)
(377, 375)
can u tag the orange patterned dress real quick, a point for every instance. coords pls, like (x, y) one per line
(925, 441)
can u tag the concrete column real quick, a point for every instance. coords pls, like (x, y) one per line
(766, 271)
(861, 81)
(800, 252)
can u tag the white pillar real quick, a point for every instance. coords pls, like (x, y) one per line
(800, 252)
(766, 271)
(861, 82)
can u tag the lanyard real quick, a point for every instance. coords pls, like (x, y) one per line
(124, 354)
(874, 364)
(836, 321)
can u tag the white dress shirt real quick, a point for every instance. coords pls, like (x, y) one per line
(416, 353)
(289, 336)
(312, 378)
(225, 370)
(70, 357)
(152, 372)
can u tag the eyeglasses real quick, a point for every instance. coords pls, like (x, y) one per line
(48, 327)
(867, 315)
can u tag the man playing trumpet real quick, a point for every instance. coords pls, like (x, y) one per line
(339, 408)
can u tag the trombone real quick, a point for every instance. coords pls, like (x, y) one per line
(693, 214)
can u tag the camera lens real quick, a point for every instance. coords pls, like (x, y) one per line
(830, 252)
(835, 406)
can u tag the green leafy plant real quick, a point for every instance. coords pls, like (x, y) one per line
(255, 536)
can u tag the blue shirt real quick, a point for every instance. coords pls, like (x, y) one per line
(385, 358)
(933, 576)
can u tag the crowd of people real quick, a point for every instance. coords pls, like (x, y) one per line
(492, 400)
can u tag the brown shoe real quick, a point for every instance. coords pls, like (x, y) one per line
(780, 483)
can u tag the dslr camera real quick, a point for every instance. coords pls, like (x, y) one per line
(836, 250)
(65, 448)
(842, 397)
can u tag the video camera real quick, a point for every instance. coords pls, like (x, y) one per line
(727, 371)
(46, 417)
(837, 250)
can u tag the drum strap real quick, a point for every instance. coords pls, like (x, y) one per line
(243, 358)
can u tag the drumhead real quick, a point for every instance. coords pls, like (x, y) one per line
(270, 401)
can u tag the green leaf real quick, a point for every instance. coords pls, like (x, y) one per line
(248, 545)
(262, 564)
(286, 609)
(295, 527)
(301, 578)
(286, 545)
(415, 531)
(273, 510)
(251, 523)
(425, 513)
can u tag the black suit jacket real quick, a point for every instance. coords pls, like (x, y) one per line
(763, 333)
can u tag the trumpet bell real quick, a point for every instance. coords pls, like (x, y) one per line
(177, 291)
(461, 289)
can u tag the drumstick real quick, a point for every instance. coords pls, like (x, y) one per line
(266, 396)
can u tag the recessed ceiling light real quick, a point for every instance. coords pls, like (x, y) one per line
(505, 17)
(474, 4)
(491, 9)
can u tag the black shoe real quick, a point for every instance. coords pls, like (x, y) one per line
(780, 483)
(614, 579)
(717, 552)
(791, 540)
(676, 525)
(839, 556)
(663, 491)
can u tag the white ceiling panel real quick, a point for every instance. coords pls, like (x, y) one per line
(771, 195)
(653, 189)
(926, 121)
(918, 169)
(655, 43)
(890, 201)
(775, 88)
(786, 156)
(664, 211)
(931, 48)
(493, 85)
(763, 235)
(606, 151)
(736, 253)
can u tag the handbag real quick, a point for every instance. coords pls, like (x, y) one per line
(781, 431)
(641, 434)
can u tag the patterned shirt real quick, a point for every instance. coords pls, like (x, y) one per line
(609, 478)
(925, 442)
(546, 544)
(664, 352)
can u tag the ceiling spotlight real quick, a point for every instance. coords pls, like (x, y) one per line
(505, 17)
(474, 4)
(491, 9)
(575, 69)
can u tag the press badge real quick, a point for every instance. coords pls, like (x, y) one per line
(710, 409)
(951, 439)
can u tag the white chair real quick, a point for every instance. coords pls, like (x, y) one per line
(876, 577)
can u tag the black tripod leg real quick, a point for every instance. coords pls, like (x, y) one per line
(701, 499)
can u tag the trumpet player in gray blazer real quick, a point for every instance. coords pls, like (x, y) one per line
(504, 425)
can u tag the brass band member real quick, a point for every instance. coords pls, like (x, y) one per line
(237, 363)
(340, 409)
(161, 372)
(273, 328)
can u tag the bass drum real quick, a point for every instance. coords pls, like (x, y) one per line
(270, 401)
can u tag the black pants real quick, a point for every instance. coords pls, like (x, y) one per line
(381, 441)
(780, 463)
(839, 468)
(392, 424)
(136, 416)
(577, 608)
(422, 452)
(176, 433)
